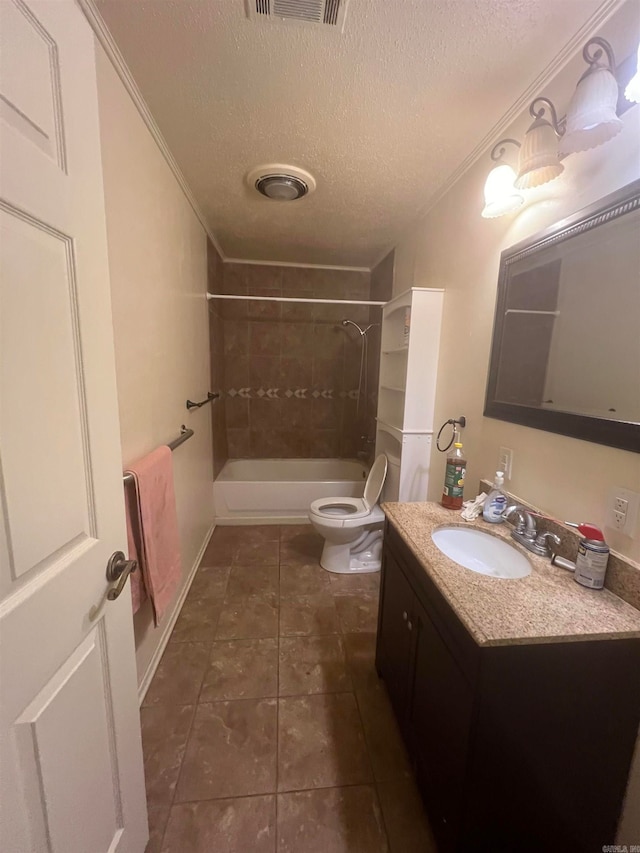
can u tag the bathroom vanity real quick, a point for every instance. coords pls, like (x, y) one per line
(518, 700)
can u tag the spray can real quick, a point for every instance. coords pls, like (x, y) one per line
(593, 556)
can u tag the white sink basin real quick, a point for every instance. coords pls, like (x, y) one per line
(481, 552)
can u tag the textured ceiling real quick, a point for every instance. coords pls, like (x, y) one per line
(381, 114)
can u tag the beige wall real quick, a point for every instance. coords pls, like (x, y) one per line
(158, 268)
(454, 248)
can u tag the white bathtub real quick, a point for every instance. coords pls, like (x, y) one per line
(279, 491)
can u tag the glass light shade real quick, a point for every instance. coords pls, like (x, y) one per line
(632, 92)
(500, 196)
(591, 117)
(538, 161)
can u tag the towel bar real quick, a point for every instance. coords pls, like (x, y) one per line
(210, 397)
(185, 435)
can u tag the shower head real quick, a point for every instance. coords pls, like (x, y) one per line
(362, 331)
(355, 326)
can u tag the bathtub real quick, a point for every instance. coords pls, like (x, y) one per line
(279, 491)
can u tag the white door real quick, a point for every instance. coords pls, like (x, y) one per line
(71, 777)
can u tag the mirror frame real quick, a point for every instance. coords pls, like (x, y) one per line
(624, 435)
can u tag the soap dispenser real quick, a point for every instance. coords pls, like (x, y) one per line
(496, 501)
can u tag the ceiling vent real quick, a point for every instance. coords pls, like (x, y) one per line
(331, 12)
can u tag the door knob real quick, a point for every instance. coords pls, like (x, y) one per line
(119, 569)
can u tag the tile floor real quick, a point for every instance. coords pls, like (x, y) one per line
(266, 727)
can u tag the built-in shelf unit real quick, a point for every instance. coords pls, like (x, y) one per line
(406, 393)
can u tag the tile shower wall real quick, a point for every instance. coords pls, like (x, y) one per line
(215, 269)
(291, 370)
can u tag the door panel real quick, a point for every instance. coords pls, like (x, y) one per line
(71, 775)
(394, 635)
(440, 721)
(69, 718)
(41, 304)
(31, 101)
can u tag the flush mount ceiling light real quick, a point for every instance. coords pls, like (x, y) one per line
(591, 117)
(281, 183)
(538, 161)
(500, 196)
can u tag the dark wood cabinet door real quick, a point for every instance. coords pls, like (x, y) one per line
(393, 652)
(521, 748)
(440, 710)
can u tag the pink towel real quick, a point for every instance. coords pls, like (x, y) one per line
(159, 543)
(138, 590)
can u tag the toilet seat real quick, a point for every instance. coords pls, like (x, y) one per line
(345, 512)
(349, 512)
(340, 507)
(375, 481)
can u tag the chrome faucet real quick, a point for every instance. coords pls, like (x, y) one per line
(525, 527)
(525, 532)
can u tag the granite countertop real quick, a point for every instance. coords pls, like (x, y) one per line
(546, 606)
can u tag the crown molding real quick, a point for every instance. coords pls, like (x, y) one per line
(590, 28)
(105, 38)
(568, 52)
(294, 264)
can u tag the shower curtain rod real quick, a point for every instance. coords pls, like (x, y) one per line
(294, 299)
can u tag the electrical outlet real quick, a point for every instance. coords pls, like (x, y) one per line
(619, 519)
(623, 506)
(620, 505)
(505, 461)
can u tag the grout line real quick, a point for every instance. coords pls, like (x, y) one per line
(193, 716)
(278, 693)
(384, 822)
(364, 734)
(228, 797)
(175, 787)
(276, 793)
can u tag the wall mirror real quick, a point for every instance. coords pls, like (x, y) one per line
(566, 337)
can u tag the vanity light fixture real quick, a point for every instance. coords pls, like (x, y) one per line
(590, 121)
(632, 92)
(500, 196)
(591, 117)
(538, 162)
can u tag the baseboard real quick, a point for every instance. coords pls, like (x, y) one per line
(257, 518)
(164, 639)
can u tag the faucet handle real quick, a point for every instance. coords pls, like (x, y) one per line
(543, 541)
(530, 524)
(520, 524)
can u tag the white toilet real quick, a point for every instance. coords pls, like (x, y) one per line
(352, 527)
